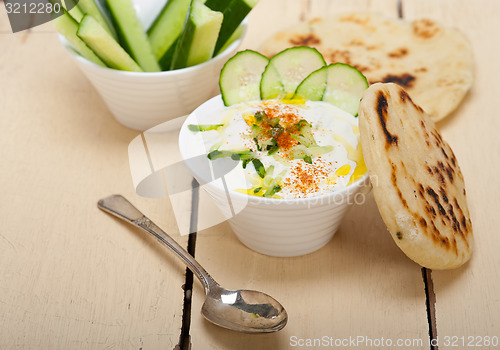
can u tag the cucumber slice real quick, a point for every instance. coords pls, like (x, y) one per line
(167, 26)
(341, 85)
(68, 26)
(239, 78)
(90, 7)
(271, 85)
(345, 87)
(234, 12)
(313, 86)
(104, 46)
(197, 41)
(287, 69)
(132, 35)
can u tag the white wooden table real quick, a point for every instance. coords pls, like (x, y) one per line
(71, 277)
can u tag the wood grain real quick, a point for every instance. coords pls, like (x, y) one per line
(467, 300)
(72, 277)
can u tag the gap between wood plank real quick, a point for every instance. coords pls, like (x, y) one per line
(185, 337)
(400, 9)
(430, 305)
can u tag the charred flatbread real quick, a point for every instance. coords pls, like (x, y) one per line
(417, 183)
(433, 63)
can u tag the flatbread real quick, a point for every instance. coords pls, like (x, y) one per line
(417, 183)
(433, 63)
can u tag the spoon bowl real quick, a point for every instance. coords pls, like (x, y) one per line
(245, 311)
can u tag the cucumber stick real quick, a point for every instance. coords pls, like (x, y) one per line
(234, 12)
(167, 27)
(132, 35)
(197, 41)
(73, 10)
(105, 46)
(166, 59)
(236, 34)
(68, 26)
(90, 7)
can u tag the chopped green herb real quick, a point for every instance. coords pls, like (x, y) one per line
(256, 130)
(259, 167)
(277, 130)
(234, 155)
(257, 144)
(271, 192)
(273, 147)
(203, 127)
(219, 154)
(273, 122)
(246, 155)
(308, 159)
(301, 123)
(257, 190)
(260, 115)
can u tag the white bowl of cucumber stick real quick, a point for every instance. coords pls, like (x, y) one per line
(152, 61)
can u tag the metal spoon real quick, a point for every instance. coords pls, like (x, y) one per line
(240, 310)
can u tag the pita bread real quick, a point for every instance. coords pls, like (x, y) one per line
(416, 180)
(432, 63)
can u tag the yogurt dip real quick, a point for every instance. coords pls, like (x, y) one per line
(285, 148)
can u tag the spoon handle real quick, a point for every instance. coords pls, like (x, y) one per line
(119, 206)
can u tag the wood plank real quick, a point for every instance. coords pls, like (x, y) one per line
(72, 277)
(359, 285)
(467, 299)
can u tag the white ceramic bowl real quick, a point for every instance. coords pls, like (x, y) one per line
(143, 100)
(276, 227)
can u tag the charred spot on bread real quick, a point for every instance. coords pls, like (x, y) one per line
(425, 28)
(444, 153)
(382, 115)
(305, 40)
(423, 222)
(435, 197)
(405, 80)
(398, 53)
(443, 195)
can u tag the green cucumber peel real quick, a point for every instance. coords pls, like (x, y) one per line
(259, 167)
(204, 127)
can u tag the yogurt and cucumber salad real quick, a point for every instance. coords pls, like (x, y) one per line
(290, 122)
